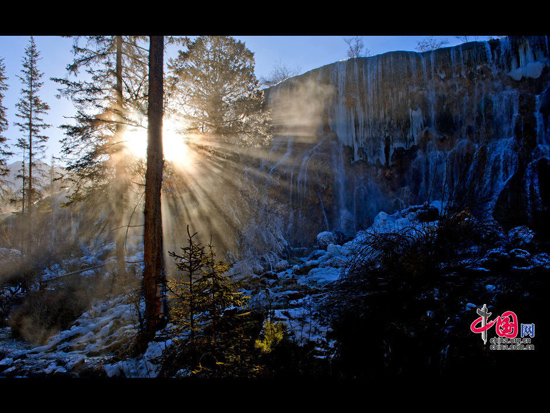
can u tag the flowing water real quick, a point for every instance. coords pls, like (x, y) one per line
(364, 135)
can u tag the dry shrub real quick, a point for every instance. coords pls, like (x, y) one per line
(379, 309)
(45, 312)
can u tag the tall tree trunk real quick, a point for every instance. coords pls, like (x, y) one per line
(23, 220)
(120, 175)
(153, 275)
(22, 217)
(30, 194)
(28, 229)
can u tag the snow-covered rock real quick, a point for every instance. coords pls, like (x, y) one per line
(470, 306)
(85, 348)
(324, 239)
(521, 235)
(9, 255)
(411, 218)
(321, 276)
(281, 265)
(333, 250)
(541, 260)
(520, 257)
(384, 222)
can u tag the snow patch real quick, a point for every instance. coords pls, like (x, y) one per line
(321, 276)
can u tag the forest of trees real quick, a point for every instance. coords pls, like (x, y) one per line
(117, 83)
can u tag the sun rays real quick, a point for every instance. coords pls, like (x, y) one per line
(175, 149)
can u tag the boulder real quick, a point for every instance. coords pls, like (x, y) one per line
(521, 236)
(520, 258)
(324, 239)
(281, 266)
(321, 276)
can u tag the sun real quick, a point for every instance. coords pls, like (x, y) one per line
(173, 143)
(175, 149)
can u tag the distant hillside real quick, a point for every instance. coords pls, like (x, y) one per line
(42, 171)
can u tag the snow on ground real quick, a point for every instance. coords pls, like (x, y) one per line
(96, 343)
(93, 345)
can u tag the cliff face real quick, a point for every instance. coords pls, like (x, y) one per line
(467, 124)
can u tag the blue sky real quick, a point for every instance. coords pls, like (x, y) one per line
(295, 52)
(310, 52)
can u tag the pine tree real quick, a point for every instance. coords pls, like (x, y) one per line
(206, 304)
(105, 98)
(5, 153)
(213, 88)
(213, 81)
(222, 294)
(33, 143)
(186, 313)
(54, 177)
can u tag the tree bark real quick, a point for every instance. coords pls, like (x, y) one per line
(153, 275)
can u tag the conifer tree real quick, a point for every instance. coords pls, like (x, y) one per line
(213, 88)
(206, 304)
(183, 290)
(105, 97)
(220, 291)
(31, 109)
(213, 81)
(4, 148)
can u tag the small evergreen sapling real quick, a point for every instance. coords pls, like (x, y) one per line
(207, 312)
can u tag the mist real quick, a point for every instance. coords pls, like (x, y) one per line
(361, 217)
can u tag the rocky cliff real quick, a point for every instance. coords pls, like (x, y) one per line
(467, 125)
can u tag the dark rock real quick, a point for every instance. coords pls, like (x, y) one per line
(525, 199)
(295, 295)
(545, 102)
(428, 214)
(270, 275)
(521, 236)
(305, 268)
(520, 258)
